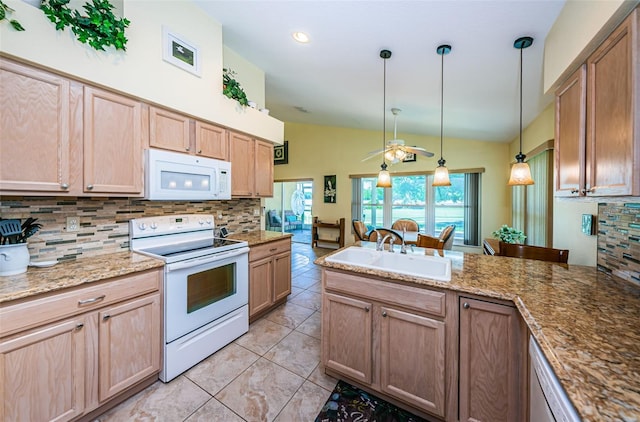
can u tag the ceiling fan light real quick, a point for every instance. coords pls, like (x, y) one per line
(441, 175)
(384, 178)
(389, 155)
(520, 174)
(400, 154)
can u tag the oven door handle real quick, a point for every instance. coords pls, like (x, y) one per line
(206, 259)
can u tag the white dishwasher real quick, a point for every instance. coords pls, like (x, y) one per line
(547, 399)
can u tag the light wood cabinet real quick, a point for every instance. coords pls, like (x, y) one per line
(597, 133)
(83, 348)
(269, 276)
(492, 372)
(36, 130)
(113, 141)
(177, 132)
(251, 166)
(388, 338)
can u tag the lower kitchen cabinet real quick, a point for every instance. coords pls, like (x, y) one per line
(80, 350)
(269, 276)
(493, 360)
(388, 338)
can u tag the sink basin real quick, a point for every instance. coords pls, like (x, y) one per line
(417, 265)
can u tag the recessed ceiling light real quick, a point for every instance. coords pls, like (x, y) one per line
(301, 37)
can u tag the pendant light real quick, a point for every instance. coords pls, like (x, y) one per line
(520, 171)
(441, 175)
(384, 179)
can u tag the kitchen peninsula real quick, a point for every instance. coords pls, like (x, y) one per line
(585, 321)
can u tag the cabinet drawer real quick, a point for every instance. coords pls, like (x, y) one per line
(269, 249)
(422, 300)
(42, 310)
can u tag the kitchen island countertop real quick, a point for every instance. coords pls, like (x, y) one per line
(258, 237)
(586, 322)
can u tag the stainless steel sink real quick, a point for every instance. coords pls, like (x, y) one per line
(413, 264)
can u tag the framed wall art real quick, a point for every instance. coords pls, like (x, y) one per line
(409, 157)
(180, 52)
(330, 189)
(281, 153)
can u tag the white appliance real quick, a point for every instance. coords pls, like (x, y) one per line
(176, 176)
(547, 400)
(206, 286)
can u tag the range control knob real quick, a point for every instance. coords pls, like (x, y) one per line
(142, 226)
(154, 225)
(201, 222)
(209, 221)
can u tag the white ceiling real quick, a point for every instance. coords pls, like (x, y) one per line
(338, 76)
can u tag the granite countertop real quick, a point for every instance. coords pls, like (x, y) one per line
(73, 273)
(586, 322)
(258, 237)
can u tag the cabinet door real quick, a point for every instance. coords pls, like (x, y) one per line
(42, 373)
(570, 135)
(260, 285)
(281, 276)
(129, 344)
(35, 134)
(212, 141)
(241, 155)
(347, 337)
(264, 169)
(490, 362)
(412, 359)
(168, 130)
(112, 143)
(613, 148)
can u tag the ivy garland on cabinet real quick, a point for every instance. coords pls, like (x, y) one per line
(5, 11)
(99, 27)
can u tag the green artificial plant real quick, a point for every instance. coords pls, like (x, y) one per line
(231, 88)
(508, 234)
(98, 27)
(6, 10)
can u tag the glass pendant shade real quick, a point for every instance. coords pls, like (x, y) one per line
(520, 173)
(441, 175)
(384, 178)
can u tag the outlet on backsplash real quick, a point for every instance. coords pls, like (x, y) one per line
(256, 212)
(73, 224)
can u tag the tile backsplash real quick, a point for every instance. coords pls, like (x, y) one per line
(619, 239)
(104, 222)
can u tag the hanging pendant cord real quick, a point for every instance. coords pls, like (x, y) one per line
(384, 106)
(441, 100)
(521, 101)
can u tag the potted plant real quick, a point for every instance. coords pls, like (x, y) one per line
(14, 254)
(508, 234)
(231, 88)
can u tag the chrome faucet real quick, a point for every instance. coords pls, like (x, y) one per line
(403, 246)
(379, 240)
(384, 239)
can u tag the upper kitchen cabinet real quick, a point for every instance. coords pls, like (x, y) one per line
(113, 142)
(177, 132)
(251, 166)
(597, 129)
(35, 130)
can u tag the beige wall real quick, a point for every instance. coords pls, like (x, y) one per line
(141, 71)
(316, 151)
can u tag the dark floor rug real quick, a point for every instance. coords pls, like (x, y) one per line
(349, 404)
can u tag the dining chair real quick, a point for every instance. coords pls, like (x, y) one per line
(444, 241)
(539, 253)
(405, 223)
(359, 230)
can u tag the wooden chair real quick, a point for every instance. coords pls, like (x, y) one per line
(534, 252)
(373, 236)
(445, 241)
(405, 223)
(359, 230)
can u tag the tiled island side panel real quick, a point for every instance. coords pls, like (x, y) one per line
(619, 239)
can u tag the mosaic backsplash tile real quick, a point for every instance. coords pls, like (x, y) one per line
(104, 222)
(619, 239)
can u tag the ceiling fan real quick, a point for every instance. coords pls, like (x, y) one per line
(395, 150)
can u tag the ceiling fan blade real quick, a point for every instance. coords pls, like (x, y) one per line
(373, 154)
(419, 151)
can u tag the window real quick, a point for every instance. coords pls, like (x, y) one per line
(412, 196)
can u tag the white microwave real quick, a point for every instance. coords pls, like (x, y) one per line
(176, 176)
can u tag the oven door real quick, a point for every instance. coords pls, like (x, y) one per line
(201, 290)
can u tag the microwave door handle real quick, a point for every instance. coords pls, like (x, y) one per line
(206, 260)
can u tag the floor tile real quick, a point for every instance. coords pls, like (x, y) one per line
(305, 404)
(309, 300)
(263, 335)
(290, 315)
(219, 369)
(174, 401)
(214, 411)
(294, 292)
(297, 352)
(320, 378)
(312, 326)
(260, 393)
(303, 281)
(316, 288)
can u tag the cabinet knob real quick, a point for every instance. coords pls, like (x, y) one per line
(585, 190)
(64, 186)
(574, 191)
(89, 187)
(199, 151)
(187, 148)
(366, 309)
(466, 305)
(79, 326)
(384, 314)
(106, 317)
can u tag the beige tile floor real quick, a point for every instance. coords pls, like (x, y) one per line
(272, 373)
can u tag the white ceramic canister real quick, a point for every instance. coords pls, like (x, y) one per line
(14, 259)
